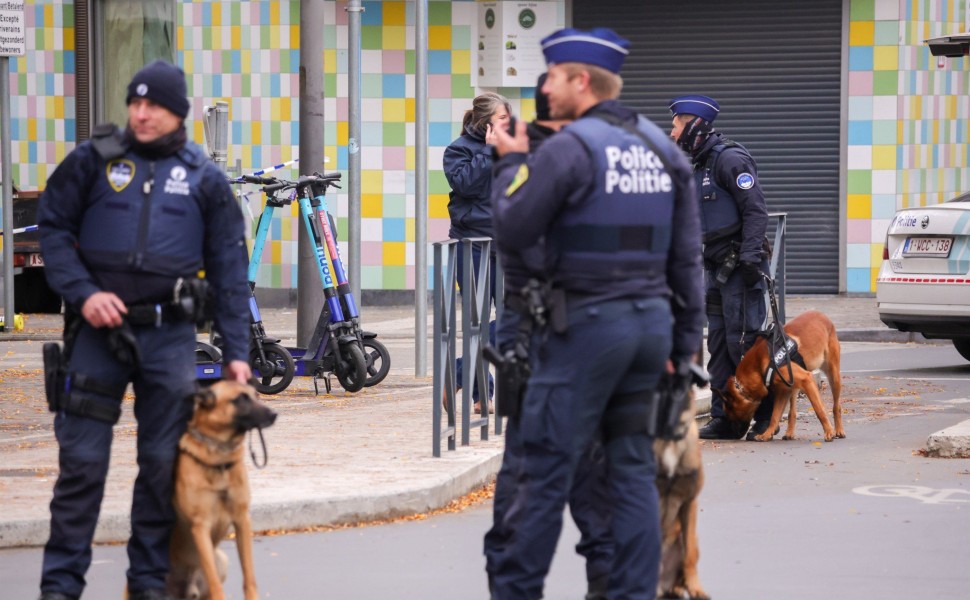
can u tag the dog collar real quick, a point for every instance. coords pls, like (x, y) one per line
(221, 467)
(212, 443)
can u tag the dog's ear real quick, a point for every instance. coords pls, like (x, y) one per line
(732, 389)
(204, 398)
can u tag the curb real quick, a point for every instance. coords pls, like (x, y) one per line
(116, 527)
(952, 442)
(885, 335)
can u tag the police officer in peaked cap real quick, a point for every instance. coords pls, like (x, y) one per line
(613, 199)
(127, 222)
(589, 500)
(735, 219)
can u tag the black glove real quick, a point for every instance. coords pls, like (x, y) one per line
(750, 273)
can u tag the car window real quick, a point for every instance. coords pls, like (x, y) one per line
(961, 198)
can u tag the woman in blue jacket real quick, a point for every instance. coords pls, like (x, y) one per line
(468, 167)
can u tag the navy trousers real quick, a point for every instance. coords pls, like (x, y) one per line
(589, 501)
(163, 383)
(600, 372)
(735, 314)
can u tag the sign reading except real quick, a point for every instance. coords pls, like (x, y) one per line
(13, 30)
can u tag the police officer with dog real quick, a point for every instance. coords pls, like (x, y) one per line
(589, 501)
(735, 220)
(127, 223)
(613, 201)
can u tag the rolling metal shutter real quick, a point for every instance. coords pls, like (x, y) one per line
(775, 69)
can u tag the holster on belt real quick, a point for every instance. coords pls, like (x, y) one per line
(55, 367)
(512, 377)
(672, 398)
(76, 393)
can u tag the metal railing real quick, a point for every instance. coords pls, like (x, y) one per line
(476, 312)
(475, 316)
(443, 388)
(476, 302)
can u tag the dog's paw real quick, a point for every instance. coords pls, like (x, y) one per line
(764, 437)
(840, 435)
(787, 437)
(697, 594)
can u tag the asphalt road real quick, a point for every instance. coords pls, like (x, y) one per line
(866, 517)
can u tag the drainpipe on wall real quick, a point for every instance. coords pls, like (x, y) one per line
(354, 10)
(421, 188)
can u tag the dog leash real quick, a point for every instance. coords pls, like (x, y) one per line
(252, 453)
(778, 339)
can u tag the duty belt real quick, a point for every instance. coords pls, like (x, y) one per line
(156, 314)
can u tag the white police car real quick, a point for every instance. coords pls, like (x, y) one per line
(924, 281)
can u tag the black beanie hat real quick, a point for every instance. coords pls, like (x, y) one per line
(542, 101)
(163, 83)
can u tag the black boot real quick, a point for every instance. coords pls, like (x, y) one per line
(760, 427)
(721, 428)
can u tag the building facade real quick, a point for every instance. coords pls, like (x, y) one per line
(868, 123)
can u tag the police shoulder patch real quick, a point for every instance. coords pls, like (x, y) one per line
(521, 176)
(745, 181)
(120, 173)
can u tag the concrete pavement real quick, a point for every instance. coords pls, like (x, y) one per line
(332, 458)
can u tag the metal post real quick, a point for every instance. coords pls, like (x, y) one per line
(353, 145)
(5, 174)
(421, 188)
(309, 292)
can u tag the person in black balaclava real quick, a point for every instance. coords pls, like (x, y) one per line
(734, 219)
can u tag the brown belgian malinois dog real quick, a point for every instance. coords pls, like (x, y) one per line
(680, 477)
(819, 348)
(212, 491)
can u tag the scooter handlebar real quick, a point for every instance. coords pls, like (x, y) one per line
(254, 179)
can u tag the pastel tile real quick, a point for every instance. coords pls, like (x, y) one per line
(857, 255)
(857, 231)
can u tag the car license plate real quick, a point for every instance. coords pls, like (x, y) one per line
(928, 246)
(34, 259)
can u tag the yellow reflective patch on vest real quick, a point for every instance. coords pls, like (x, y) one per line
(521, 176)
(120, 173)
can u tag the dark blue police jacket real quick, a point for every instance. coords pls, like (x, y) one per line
(733, 208)
(619, 214)
(133, 226)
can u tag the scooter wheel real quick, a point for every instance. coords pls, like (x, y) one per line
(378, 361)
(276, 374)
(351, 367)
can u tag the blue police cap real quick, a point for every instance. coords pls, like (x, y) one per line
(600, 47)
(693, 104)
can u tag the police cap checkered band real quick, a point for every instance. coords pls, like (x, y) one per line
(702, 106)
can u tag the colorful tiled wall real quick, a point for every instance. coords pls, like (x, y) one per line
(908, 118)
(42, 129)
(908, 121)
(247, 53)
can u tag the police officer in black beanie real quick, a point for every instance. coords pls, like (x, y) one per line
(127, 222)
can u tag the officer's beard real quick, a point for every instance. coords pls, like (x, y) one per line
(160, 147)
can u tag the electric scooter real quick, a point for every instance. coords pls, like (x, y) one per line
(337, 344)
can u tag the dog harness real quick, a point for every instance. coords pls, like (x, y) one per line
(783, 354)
